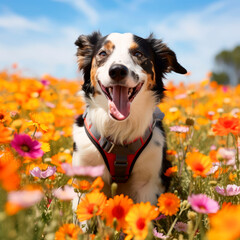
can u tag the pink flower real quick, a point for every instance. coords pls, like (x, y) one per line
(45, 82)
(50, 105)
(36, 172)
(25, 198)
(179, 129)
(27, 147)
(213, 169)
(228, 155)
(201, 203)
(83, 170)
(213, 147)
(181, 227)
(181, 96)
(65, 194)
(230, 190)
(158, 234)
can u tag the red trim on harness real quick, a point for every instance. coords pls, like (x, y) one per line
(111, 157)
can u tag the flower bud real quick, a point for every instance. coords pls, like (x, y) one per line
(190, 121)
(114, 187)
(212, 183)
(47, 160)
(191, 215)
(184, 204)
(115, 223)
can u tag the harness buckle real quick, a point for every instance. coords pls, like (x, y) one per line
(108, 146)
(120, 164)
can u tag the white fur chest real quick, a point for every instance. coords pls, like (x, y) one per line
(144, 183)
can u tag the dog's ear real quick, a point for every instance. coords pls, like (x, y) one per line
(85, 44)
(165, 56)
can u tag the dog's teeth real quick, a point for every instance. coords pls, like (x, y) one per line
(130, 90)
(111, 90)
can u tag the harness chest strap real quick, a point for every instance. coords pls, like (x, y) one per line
(120, 159)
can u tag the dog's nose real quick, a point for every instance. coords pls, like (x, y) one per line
(118, 72)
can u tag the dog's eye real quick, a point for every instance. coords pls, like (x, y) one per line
(137, 54)
(103, 54)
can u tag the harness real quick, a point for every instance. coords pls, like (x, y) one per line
(120, 159)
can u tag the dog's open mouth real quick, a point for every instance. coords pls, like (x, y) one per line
(119, 99)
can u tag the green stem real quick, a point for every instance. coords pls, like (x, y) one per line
(235, 142)
(35, 130)
(174, 223)
(196, 227)
(228, 140)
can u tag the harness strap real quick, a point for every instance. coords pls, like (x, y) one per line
(120, 159)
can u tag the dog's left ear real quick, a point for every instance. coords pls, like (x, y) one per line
(165, 56)
(86, 45)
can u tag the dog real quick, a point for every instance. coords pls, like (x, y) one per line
(122, 126)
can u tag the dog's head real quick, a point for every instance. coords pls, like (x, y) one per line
(120, 66)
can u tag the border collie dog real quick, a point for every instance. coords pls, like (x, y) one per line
(121, 127)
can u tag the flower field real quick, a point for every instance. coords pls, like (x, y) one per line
(38, 182)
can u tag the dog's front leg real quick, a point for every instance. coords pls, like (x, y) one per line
(150, 191)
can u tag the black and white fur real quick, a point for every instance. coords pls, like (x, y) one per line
(144, 63)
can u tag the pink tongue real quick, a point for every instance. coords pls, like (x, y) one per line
(119, 107)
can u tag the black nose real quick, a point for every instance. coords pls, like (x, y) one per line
(118, 72)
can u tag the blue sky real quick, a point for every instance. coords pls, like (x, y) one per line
(39, 35)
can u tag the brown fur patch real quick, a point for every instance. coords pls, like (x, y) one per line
(109, 46)
(93, 73)
(134, 46)
(150, 78)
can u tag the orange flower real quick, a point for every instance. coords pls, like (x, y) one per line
(81, 185)
(117, 208)
(9, 178)
(227, 125)
(138, 219)
(5, 134)
(37, 122)
(171, 155)
(92, 204)
(12, 208)
(225, 223)
(171, 171)
(220, 171)
(232, 176)
(213, 155)
(60, 158)
(68, 231)
(171, 152)
(168, 204)
(97, 184)
(4, 117)
(199, 163)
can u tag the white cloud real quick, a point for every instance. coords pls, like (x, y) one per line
(203, 33)
(12, 21)
(38, 46)
(83, 7)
